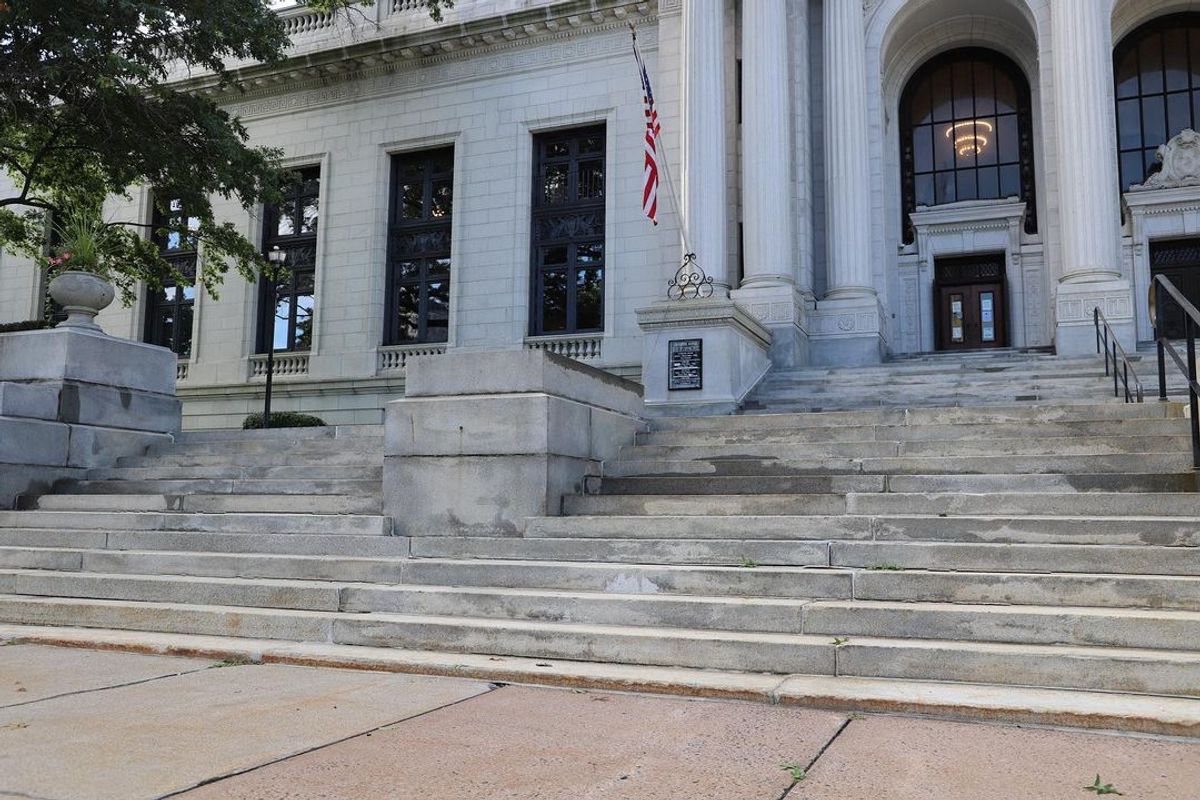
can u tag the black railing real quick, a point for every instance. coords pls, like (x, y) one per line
(1162, 295)
(1121, 369)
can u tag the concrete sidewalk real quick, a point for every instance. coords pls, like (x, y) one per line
(95, 725)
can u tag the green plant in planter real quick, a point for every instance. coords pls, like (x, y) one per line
(83, 241)
(283, 419)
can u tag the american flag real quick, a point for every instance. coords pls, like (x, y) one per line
(653, 129)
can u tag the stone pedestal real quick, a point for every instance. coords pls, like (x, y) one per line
(734, 350)
(847, 331)
(1075, 331)
(72, 399)
(484, 440)
(784, 311)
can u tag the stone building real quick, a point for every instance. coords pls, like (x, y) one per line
(865, 178)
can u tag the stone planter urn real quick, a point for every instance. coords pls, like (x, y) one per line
(82, 295)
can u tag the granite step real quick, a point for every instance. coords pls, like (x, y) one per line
(929, 432)
(212, 486)
(1167, 672)
(1024, 446)
(1100, 504)
(840, 484)
(1173, 462)
(279, 458)
(1181, 531)
(203, 541)
(218, 472)
(206, 503)
(359, 524)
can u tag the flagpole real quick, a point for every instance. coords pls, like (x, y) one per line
(664, 162)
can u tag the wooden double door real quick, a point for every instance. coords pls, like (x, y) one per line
(969, 302)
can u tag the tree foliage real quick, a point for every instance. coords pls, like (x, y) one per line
(88, 110)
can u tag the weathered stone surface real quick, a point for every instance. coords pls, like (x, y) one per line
(928, 760)
(29, 672)
(516, 372)
(517, 743)
(64, 354)
(194, 727)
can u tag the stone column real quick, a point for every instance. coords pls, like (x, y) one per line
(768, 289)
(847, 153)
(1089, 270)
(705, 201)
(766, 145)
(847, 325)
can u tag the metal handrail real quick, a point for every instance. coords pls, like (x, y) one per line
(1112, 349)
(1191, 324)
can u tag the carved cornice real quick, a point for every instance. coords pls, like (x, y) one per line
(968, 216)
(331, 64)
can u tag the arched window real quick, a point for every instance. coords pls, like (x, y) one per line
(966, 133)
(1157, 77)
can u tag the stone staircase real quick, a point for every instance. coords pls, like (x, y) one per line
(986, 525)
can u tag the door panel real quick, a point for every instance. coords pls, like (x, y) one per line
(1177, 260)
(972, 316)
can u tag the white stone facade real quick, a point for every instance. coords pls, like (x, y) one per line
(793, 200)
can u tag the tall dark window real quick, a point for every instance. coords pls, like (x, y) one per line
(418, 277)
(966, 133)
(568, 232)
(1157, 76)
(169, 309)
(286, 309)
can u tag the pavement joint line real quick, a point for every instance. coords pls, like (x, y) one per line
(9, 793)
(104, 688)
(491, 687)
(808, 768)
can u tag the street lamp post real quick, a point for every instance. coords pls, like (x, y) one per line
(277, 258)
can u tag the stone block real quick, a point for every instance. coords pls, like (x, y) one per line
(519, 371)
(65, 354)
(734, 355)
(91, 446)
(448, 495)
(117, 407)
(30, 400)
(27, 441)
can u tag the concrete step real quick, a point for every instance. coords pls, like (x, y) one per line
(198, 541)
(1106, 504)
(207, 564)
(360, 524)
(1006, 557)
(281, 458)
(186, 589)
(841, 484)
(1024, 446)
(698, 612)
(1081, 626)
(1106, 669)
(1007, 588)
(931, 432)
(279, 434)
(286, 473)
(1126, 530)
(987, 557)
(206, 503)
(232, 447)
(626, 551)
(961, 415)
(907, 465)
(222, 486)
(1151, 714)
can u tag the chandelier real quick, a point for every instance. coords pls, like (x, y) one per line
(970, 136)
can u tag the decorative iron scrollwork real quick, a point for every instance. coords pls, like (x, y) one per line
(690, 282)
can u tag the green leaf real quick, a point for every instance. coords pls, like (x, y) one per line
(1101, 788)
